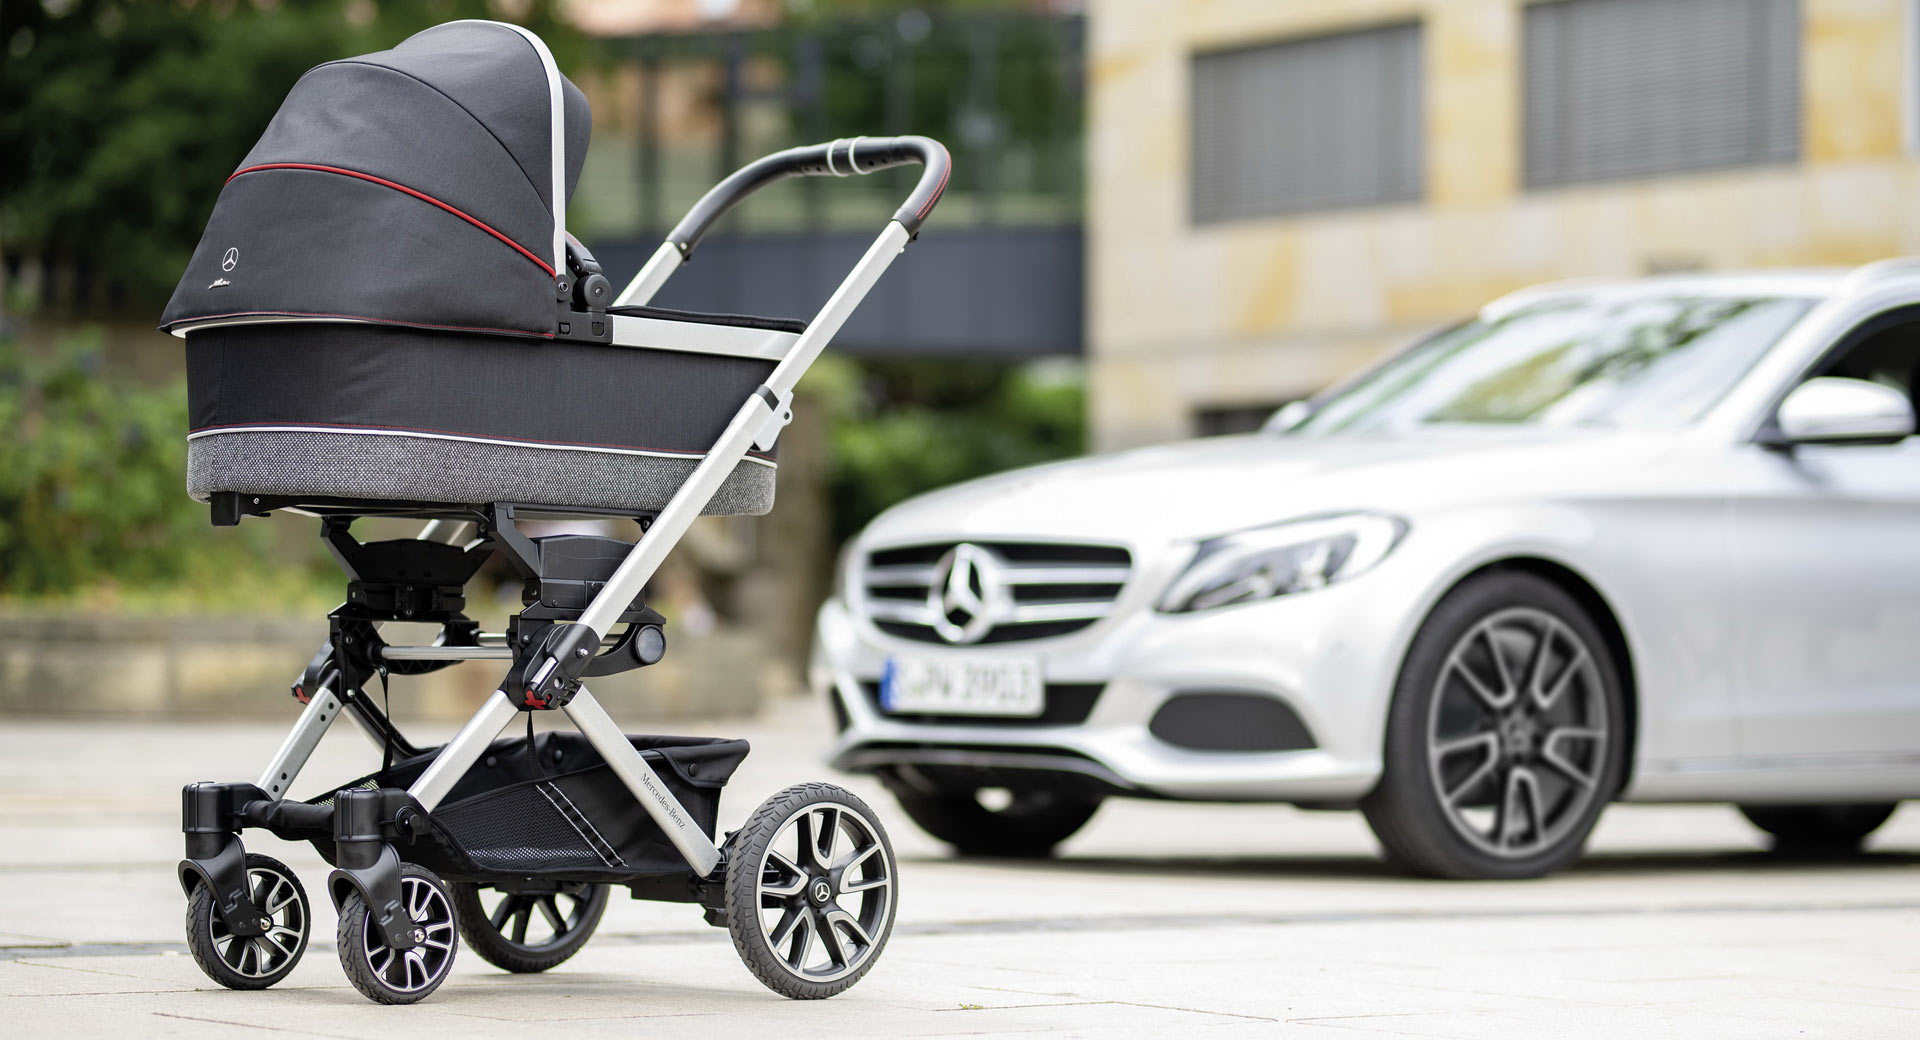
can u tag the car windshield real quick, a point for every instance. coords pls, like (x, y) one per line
(1630, 362)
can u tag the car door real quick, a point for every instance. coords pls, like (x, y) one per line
(1827, 580)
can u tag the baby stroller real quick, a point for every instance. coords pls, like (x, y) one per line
(387, 318)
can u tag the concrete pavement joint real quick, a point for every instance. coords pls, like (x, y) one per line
(1111, 1003)
(249, 1025)
(1112, 923)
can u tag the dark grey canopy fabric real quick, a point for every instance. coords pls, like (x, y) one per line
(410, 186)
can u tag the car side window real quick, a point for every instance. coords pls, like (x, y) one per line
(1884, 350)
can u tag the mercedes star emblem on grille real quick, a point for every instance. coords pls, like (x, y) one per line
(971, 598)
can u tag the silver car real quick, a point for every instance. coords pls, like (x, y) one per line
(1653, 540)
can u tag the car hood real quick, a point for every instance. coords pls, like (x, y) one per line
(1214, 485)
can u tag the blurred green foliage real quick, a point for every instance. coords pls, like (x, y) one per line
(912, 426)
(93, 504)
(120, 119)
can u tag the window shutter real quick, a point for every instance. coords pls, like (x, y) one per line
(1307, 124)
(1639, 88)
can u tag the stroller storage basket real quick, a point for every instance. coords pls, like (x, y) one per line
(559, 813)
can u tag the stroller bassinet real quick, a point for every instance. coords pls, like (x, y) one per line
(386, 317)
(375, 310)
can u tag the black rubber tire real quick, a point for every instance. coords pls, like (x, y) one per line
(356, 920)
(1404, 810)
(1029, 827)
(203, 922)
(483, 937)
(745, 849)
(1818, 828)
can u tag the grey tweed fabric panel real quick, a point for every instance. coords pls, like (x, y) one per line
(428, 469)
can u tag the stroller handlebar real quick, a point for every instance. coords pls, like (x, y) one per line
(843, 157)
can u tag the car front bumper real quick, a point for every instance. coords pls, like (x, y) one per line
(1330, 655)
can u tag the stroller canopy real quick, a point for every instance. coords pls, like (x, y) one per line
(424, 185)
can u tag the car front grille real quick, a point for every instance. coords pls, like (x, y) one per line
(1036, 589)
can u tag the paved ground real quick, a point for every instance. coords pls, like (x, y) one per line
(1159, 920)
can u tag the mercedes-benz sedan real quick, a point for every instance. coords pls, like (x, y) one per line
(1654, 540)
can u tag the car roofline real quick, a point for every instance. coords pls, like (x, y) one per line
(1815, 283)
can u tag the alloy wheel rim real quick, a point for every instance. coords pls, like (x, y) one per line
(259, 956)
(1517, 733)
(516, 912)
(409, 971)
(824, 892)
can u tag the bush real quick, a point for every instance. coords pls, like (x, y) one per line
(93, 502)
(924, 424)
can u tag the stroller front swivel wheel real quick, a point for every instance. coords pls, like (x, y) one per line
(385, 975)
(529, 930)
(240, 962)
(810, 891)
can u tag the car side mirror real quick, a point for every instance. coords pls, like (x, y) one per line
(1289, 415)
(1833, 410)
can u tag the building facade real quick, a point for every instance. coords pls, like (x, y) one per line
(1278, 192)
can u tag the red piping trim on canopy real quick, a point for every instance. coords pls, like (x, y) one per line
(422, 196)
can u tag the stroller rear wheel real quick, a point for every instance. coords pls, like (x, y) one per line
(528, 931)
(239, 962)
(385, 975)
(811, 890)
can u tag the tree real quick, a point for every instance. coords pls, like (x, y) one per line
(120, 119)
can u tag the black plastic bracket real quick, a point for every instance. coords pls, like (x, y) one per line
(364, 823)
(209, 817)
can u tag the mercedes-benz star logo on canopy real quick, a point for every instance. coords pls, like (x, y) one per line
(231, 259)
(969, 595)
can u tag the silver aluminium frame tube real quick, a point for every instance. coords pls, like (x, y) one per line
(654, 274)
(463, 751)
(285, 765)
(607, 738)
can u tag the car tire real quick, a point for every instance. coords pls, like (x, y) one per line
(1506, 736)
(1029, 826)
(1826, 829)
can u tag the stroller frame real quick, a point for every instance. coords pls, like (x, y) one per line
(365, 825)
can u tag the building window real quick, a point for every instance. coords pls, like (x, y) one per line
(1639, 88)
(1308, 124)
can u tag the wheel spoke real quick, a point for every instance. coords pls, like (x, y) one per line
(830, 939)
(1500, 667)
(1546, 697)
(853, 859)
(823, 835)
(520, 922)
(1490, 743)
(796, 878)
(802, 945)
(504, 911)
(865, 884)
(550, 909)
(1493, 699)
(840, 920)
(1551, 754)
(1504, 823)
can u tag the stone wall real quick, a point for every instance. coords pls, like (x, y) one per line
(147, 667)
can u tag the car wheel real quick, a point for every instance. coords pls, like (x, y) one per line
(1818, 828)
(1506, 736)
(1030, 824)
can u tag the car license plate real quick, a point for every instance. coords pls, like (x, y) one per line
(960, 686)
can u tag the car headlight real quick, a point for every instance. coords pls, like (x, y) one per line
(1264, 562)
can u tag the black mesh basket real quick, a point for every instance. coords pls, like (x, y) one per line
(556, 811)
